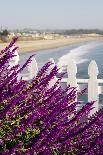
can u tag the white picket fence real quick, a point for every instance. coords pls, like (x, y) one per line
(94, 88)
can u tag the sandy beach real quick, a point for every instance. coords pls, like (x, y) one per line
(28, 46)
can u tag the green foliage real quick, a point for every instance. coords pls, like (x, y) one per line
(4, 33)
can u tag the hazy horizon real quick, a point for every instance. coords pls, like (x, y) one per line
(50, 29)
(55, 14)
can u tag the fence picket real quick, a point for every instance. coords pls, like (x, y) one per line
(15, 60)
(53, 81)
(93, 85)
(93, 89)
(72, 71)
(33, 68)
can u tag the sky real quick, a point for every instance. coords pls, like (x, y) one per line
(51, 14)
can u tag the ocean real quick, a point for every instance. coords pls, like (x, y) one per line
(82, 54)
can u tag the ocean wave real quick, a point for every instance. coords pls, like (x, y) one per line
(77, 54)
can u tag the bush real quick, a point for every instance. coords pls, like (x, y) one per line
(35, 119)
(4, 33)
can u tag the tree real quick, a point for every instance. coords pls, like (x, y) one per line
(5, 33)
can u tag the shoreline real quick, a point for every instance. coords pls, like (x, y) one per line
(28, 46)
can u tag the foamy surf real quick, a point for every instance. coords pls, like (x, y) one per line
(76, 54)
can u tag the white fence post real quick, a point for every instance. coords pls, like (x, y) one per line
(93, 85)
(33, 68)
(53, 81)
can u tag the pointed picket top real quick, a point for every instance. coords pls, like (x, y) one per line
(53, 81)
(14, 60)
(33, 68)
(53, 63)
(52, 60)
(72, 71)
(93, 69)
(72, 67)
(93, 94)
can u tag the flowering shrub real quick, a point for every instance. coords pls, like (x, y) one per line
(37, 120)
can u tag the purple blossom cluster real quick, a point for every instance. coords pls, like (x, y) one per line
(38, 120)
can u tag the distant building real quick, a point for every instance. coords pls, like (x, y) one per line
(49, 37)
